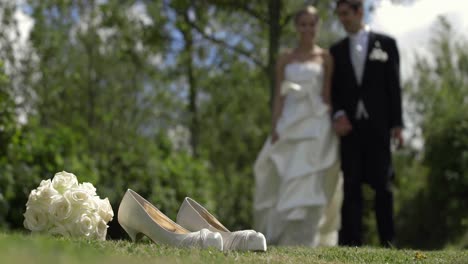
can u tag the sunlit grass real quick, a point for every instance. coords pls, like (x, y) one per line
(20, 248)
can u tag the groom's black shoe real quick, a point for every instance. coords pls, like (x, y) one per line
(349, 240)
(388, 244)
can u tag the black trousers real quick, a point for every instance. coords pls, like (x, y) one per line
(366, 158)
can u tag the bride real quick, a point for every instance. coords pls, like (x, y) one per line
(297, 179)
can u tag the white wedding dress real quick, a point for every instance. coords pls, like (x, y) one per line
(298, 185)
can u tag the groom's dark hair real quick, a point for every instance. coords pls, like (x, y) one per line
(354, 4)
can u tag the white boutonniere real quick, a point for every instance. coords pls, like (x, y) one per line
(377, 53)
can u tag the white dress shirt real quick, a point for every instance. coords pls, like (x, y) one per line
(358, 51)
(358, 43)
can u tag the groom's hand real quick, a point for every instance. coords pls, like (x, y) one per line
(398, 137)
(342, 125)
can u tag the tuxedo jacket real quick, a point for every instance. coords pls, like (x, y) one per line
(380, 88)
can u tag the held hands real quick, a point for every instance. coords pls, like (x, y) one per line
(342, 125)
(398, 137)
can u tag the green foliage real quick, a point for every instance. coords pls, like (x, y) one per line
(436, 202)
(235, 124)
(7, 133)
(34, 155)
(7, 113)
(178, 176)
(99, 100)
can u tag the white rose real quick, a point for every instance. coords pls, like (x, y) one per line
(93, 204)
(101, 230)
(45, 183)
(105, 209)
(77, 196)
(60, 208)
(38, 203)
(89, 187)
(35, 219)
(63, 181)
(42, 194)
(84, 225)
(59, 229)
(46, 192)
(34, 198)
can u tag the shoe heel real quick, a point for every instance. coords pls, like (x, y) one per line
(132, 233)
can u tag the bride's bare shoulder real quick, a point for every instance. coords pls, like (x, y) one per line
(321, 51)
(324, 54)
(285, 57)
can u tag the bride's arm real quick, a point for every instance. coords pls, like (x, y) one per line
(278, 100)
(328, 67)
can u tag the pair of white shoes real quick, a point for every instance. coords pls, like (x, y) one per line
(195, 226)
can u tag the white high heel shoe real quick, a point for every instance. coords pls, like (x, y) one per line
(193, 216)
(138, 217)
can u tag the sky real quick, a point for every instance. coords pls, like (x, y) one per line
(413, 24)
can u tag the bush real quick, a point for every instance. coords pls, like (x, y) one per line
(36, 154)
(434, 211)
(163, 176)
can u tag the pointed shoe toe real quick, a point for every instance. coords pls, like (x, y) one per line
(256, 242)
(213, 240)
(193, 216)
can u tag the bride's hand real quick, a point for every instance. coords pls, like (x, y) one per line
(274, 136)
(329, 108)
(326, 99)
(342, 125)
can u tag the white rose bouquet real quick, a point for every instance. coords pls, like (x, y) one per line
(62, 206)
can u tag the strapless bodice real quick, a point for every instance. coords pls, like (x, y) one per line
(304, 77)
(302, 88)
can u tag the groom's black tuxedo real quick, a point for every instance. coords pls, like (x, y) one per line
(365, 151)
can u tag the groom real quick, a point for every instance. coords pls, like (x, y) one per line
(366, 100)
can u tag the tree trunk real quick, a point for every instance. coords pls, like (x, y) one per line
(274, 14)
(193, 89)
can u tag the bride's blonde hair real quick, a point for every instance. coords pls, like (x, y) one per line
(309, 9)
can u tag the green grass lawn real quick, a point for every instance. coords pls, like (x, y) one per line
(20, 248)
